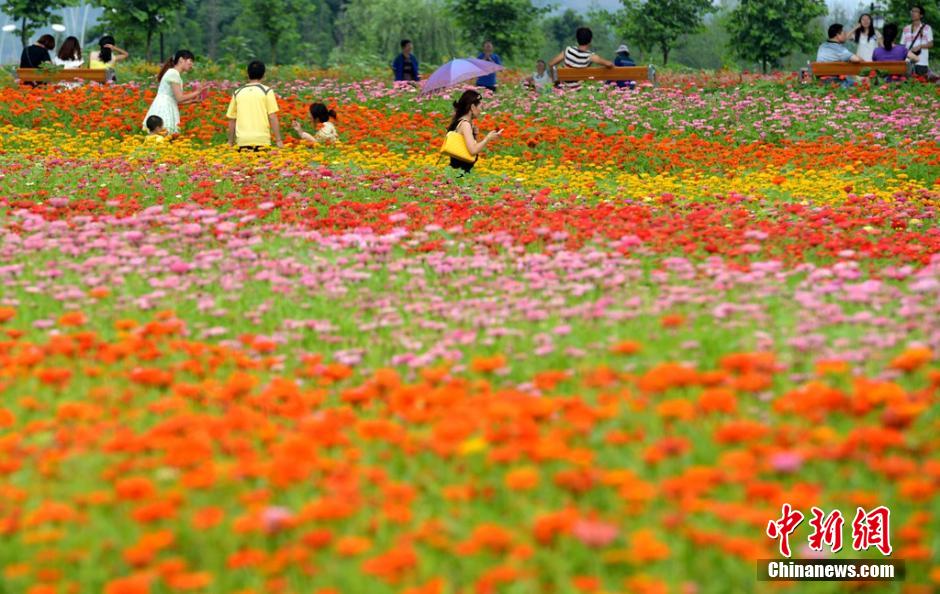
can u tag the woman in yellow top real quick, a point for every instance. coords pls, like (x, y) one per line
(106, 57)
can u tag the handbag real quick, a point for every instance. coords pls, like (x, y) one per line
(456, 147)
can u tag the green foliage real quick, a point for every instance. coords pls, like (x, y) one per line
(511, 25)
(559, 29)
(371, 32)
(275, 18)
(708, 48)
(661, 23)
(136, 19)
(899, 11)
(31, 14)
(765, 31)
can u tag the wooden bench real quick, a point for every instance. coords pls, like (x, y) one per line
(617, 73)
(39, 75)
(855, 68)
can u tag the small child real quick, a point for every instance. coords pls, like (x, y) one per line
(327, 133)
(157, 131)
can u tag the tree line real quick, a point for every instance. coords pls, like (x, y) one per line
(697, 33)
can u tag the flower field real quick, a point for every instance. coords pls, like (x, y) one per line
(599, 364)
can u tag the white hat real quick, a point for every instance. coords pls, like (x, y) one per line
(623, 49)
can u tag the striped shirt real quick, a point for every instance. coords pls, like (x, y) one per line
(577, 58)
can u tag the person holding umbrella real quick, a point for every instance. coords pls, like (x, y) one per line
(466, 109)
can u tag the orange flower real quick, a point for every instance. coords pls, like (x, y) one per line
(912, 359)
(718, 400)
(207, 517)
(392, 565)
(676, 408)
(672, 321)
(522, 479)
(548, 526)
(626, 347)
(645, 547)
(57, 377)
(72, 319)
(831, 366)
(6, 418)
(189, 581)
(488, 364)
(492, 537)
(351, 546)
(7, 314)
(137, 584)
(99, 292)
(135, 489)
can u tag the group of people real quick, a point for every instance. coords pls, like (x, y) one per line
(469, 106)
(252, 112)
(916, 39)
(405, 65)
(70, 56)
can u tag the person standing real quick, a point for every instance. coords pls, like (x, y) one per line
(170, 93)
(580, 56)
(34, 55)
(867, 38)
(107, 56)
(405, 65)
(252, 113)
(70, 54)
(918, 37)
(488, 81)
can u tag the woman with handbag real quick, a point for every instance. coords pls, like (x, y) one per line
(461, 143)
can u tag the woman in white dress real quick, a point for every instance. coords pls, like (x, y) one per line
(170, 93)
(867, 38)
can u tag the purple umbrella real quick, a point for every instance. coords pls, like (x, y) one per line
(457, 71)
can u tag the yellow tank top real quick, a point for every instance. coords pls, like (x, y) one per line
(95, 64)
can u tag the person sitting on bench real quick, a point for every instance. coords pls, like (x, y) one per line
(834, 49)
(581, 56)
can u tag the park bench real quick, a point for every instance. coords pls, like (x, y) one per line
(820, 69)
(41, 75)
(618, 73)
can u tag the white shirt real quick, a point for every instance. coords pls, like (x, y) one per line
(541, 81)
(907, 38)
(866, 46)
(67, 64)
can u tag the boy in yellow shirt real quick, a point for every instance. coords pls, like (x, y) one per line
(252, 113)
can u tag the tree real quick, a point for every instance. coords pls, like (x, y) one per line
(371, 31)
(275, 18)
(660, 23)
(509, 24)
(764, 31)
(899, 11)
(707, 49)
(31, 14)
(559, 31)
(139, 18)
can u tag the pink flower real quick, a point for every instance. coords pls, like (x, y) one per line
(786, 461)
(276, 518)
(594, 533)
